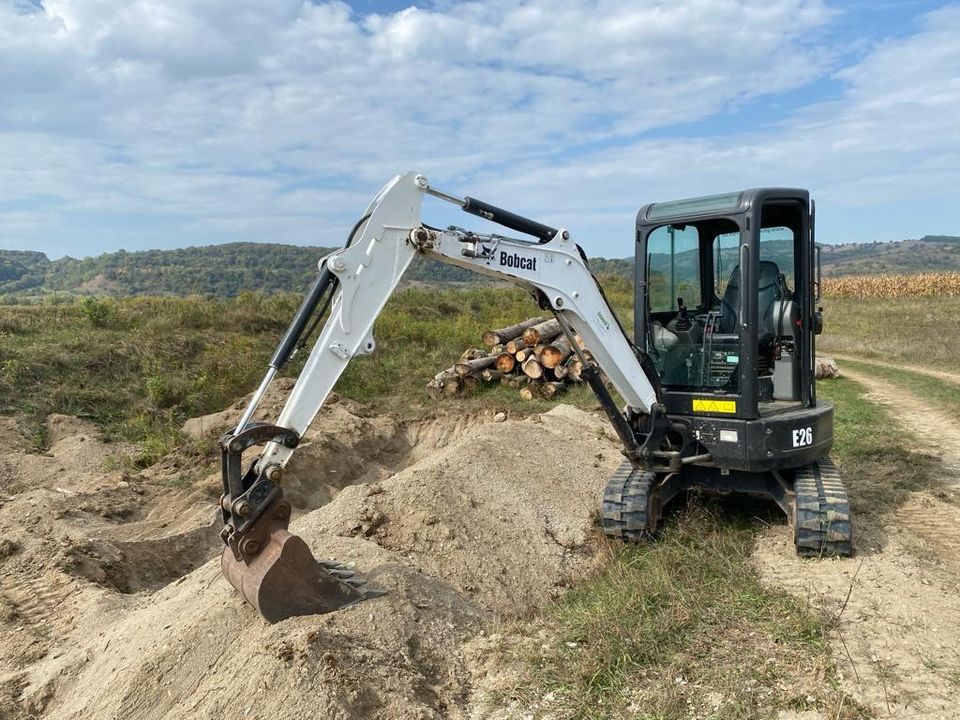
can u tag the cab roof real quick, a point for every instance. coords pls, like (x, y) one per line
(724, 204)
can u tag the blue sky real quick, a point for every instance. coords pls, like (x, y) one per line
(142, 124)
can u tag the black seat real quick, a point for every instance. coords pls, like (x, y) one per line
(772, 287)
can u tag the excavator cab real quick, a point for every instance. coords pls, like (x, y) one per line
(726, 293)
(726, 290)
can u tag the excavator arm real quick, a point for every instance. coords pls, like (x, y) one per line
(275, 570)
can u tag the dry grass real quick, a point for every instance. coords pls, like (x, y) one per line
(140, 366)
(944, 284)
(917, 331)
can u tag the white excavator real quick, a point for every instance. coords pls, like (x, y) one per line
(717, 385)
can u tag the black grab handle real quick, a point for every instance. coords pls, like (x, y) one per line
(508, 219)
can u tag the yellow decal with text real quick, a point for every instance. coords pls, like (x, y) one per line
(714, 406)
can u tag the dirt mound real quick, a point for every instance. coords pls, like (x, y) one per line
(344, 446)
(503, 514)
(490, 519)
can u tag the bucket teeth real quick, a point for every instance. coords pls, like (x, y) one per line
(282, 578)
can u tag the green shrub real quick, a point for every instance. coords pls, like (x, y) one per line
(99, 313)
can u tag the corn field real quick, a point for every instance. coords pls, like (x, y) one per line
(945, 284)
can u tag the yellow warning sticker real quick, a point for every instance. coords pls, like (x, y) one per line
(714, 406)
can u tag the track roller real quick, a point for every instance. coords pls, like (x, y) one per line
(625, 508)
(822, 524)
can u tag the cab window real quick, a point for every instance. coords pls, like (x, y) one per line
(673, 254)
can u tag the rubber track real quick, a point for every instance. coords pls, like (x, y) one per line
(822, 513)
(624, 509)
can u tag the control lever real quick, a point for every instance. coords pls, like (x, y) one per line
(683, 321)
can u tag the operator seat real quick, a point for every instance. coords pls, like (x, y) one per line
(772, 287)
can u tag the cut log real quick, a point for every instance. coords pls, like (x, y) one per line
(523, 355)
(505, 362)
(491, 375)
(538, 349)
(556, 352)
(825, 367)
(472, 354)
(515, 381)
(497, 337)
(515, 346)
(470, 384)
(532, 368)
(560, 372)
(574, 368)
(464, 368)
(441, 383)
(541, 332)
(551, 389)
(527, 393)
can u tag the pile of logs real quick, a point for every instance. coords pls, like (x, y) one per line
(532, 356)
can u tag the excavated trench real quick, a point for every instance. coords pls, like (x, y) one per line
(152, 541)
(120, 615)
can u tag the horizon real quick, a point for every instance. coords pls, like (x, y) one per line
(169, 125)
(322, 247)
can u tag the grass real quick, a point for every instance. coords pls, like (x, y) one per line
(917, 331)
(140, 366)
(941, 394)
(879, 470)
(679, 628)
(684, 627)
(137, 367)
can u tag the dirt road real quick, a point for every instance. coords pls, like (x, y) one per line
(896, 640)
(951, 377)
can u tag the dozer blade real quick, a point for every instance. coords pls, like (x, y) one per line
(277, 574)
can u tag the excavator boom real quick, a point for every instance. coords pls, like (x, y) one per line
(274, 570)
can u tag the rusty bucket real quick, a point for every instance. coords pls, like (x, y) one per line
(277, 574)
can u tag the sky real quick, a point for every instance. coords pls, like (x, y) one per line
(140, 124)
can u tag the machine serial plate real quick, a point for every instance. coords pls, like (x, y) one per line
(714, 406)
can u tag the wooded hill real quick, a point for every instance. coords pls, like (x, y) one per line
(931, 253)
(227, 270)
(211, 270)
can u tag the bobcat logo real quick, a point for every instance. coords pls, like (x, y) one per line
(516, 261)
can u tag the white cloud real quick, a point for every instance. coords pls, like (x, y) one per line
(235, 118)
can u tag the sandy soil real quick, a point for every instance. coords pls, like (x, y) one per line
(896, 641)
(113, 606)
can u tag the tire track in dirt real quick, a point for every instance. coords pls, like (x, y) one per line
(936, 431)
(950, 377)
(895, 638)
(936, 522)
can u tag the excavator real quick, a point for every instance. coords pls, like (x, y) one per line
(716, 389)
